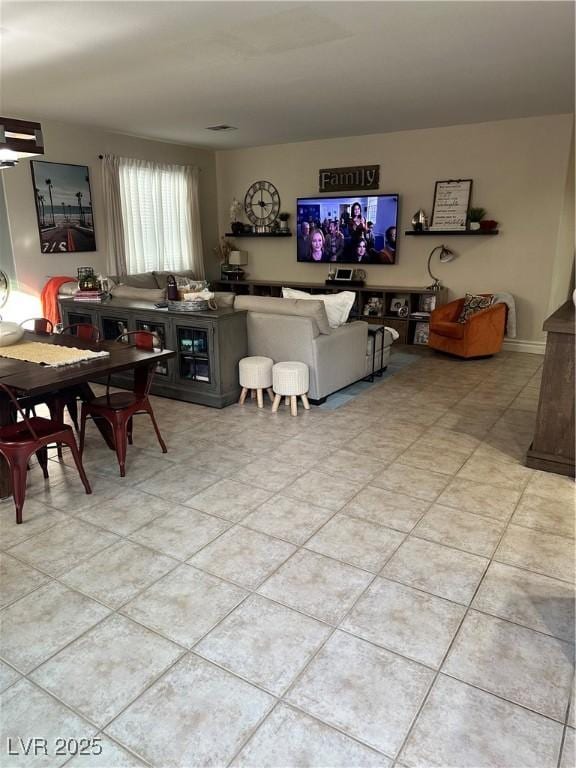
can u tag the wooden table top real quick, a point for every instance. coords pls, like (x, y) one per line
(34, 379)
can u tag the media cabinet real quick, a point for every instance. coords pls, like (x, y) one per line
(208, 346)
(416, 300)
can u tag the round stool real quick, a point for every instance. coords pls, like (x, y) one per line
(290, 380)
(256, 375)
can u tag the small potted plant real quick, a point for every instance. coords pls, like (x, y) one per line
(475, 216)
(284, 216)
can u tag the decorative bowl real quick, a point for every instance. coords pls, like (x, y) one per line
(10, 333)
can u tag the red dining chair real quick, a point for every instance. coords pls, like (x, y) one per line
(84, 331)
(20, 440)
(40, 325)
(119, 408)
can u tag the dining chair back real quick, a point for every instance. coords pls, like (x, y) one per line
(40, 325)
(119, 408)
(84, 331)
(21, 439)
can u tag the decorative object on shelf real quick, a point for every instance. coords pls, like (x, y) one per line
(284, 216)
(475, 216)
(446, 255)
(10, 333)
(488, 225)
(421, 333)
(419, 221)
(427, 303)
(403, 311)
(237, 227)
(18, 139)
(4, 288)
(262, 204)
(235, 211)
(451, 204)
(171, 288)
(397, 303)
(359, 275)
(237, 260)
(87, 280)
(63, 207)
(374, 307)
(348, 179)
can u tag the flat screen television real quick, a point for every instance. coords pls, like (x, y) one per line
(352, 229)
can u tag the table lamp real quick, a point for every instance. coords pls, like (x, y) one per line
(446, 255)
(238, 259)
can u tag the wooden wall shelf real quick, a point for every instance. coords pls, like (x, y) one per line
(444, 232)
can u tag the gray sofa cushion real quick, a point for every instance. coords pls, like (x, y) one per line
(161, 277)
(140, 280)
(315, 310)
(131, 293)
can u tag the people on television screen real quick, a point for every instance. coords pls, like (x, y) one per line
(303, 242)
(316, 251)
(388, 253)
(334, 241)
(361, 254)
(357, 223)
(369, 236)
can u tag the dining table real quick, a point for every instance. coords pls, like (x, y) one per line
(27, 379)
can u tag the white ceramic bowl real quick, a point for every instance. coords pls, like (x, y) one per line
(10, 333)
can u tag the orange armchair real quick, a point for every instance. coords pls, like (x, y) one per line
(481, 335)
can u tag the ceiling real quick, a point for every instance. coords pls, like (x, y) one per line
(283, 71)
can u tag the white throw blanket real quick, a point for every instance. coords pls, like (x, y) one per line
(393, 332)
(507, 298)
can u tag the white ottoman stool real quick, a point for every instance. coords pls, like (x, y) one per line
(290, 380)
(256, 375)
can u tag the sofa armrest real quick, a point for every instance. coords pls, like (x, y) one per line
(340, 357)
(447, 313)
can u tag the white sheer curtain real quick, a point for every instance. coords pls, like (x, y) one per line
(160, 216)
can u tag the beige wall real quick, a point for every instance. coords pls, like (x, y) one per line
(72, 144)
(519, 168)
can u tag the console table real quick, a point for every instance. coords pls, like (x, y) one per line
(552, 449)
(208, 346)
(417, 299)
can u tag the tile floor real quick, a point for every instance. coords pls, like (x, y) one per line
(378, 584)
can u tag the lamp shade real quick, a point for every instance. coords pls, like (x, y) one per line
(238, 258)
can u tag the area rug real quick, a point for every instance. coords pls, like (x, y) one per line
(51, 355)
(398, 360)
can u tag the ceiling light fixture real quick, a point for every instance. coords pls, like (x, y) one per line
(446, 255)
(221, 127)
(19, 138)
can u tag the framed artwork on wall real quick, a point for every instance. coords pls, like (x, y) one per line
(63, 207)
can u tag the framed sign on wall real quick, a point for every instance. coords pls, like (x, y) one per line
(451, 204)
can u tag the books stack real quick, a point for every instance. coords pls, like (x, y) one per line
(89, 295)
(421, 315)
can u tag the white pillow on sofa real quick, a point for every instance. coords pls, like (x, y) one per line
(338, 305)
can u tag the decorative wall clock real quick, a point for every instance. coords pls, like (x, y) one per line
(4, 288)
(262, 203)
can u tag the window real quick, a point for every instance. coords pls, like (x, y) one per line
(156, 216)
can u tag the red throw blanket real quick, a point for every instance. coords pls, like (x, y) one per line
(49, 297)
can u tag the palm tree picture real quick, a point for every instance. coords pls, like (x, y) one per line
(69, 224)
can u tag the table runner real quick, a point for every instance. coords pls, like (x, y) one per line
(52, 355)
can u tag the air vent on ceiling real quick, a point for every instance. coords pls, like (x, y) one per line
(221, 127)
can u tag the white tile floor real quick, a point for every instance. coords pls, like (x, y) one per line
(384, 584)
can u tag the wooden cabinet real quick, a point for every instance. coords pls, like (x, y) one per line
(552, 449)
(208, 346)
(374, 303)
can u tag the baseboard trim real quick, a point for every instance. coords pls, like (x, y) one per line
(522, 345)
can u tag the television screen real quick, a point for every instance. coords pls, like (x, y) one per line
(347, 230)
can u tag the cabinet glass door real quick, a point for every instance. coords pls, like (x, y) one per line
(112, 327)
(160, 330)
(78, 317)
(193, 354)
